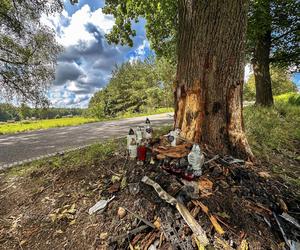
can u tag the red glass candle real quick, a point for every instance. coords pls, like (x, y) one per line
(141, 153)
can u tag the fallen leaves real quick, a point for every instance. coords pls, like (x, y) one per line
(67, 213)
(264, 174)
(205, 187)
(114, 188)
(157, 223)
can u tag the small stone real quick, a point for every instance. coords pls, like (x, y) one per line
(103, 236)
(121, 212)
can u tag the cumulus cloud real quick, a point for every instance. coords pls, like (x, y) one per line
(87, 60)
(67, 71)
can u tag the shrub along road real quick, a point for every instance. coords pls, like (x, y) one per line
(17, 148)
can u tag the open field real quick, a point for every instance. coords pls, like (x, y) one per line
(10, 128)
(16, 127)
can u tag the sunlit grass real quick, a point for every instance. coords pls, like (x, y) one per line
(16, 127)
(10, 128)
(272, 128)
(291, 98)
(150, 112)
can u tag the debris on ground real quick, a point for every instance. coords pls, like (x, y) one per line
(100, 205)
(152, 197)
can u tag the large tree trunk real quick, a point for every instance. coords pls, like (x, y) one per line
(210, 73)
(260, 63)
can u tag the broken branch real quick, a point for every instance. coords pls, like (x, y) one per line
(189, 219)
(213, 220)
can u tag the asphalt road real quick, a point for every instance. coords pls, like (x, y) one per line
(26, 146)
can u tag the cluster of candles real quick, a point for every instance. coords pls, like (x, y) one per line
(137, 145)
(137, 142)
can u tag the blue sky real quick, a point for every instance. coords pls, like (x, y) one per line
(87, 60)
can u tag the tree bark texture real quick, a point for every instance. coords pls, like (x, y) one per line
(261, 68)
(210, 73)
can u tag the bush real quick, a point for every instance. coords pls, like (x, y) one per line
(290, 98)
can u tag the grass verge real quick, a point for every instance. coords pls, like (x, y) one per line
(274, 137)
(11, 128)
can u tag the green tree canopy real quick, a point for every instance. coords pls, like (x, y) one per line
(161, 26)
(281, 19)
(28, 49)
(281, 83)
(135, 87)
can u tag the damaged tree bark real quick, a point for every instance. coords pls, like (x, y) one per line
(210, 72)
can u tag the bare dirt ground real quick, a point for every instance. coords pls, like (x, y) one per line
(47, 208)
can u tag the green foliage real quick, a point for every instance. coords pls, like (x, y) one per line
(249, 89)
(290, 98)
(281, 83)
(10, 128)
(135, 87)
(161, 26)
(28, 49)
(10, 112)
(281, 19)
(271, 129)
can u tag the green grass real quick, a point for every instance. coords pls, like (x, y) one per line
(274, 137)
(86, 157)
(274, 128)
(150, 112)
(273, 133)
(10, 128)
(290, 98)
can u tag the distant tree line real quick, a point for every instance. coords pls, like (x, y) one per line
(135, 87)
(10, 112)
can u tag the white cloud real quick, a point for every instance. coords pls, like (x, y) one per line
(141, 52)
(87, 60)
(76, 31)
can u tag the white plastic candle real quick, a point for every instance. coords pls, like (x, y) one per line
(148, 130)
(196, 160)
(132, 144)
(139, 135)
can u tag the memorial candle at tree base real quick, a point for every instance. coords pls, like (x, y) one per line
(139, 134)
(173, 137)
(148, 130)
(196, 160)
(132, 144)
(141, 153)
